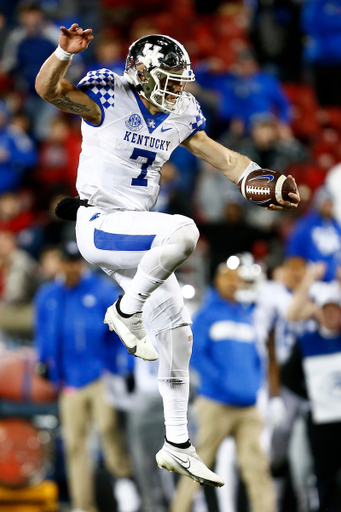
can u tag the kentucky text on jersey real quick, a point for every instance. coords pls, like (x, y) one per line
(145, 140)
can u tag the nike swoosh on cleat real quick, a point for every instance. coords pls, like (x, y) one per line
(165, 129)
(131, 350)
(184, 463)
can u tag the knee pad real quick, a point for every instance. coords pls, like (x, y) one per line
(172, 224)
(186, 237)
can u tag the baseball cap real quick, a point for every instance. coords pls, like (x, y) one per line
(322, 195)
(70, 252)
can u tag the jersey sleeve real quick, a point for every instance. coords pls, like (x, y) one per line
(100, 87)
(195, 119)
(199, 121)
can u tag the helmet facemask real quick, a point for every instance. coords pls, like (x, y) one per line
(155, 82)
(163, 95)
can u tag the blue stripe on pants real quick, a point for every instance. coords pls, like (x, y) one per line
(116, 242)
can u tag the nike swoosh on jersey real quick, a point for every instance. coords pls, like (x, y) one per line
(165, 129)
(184, 463)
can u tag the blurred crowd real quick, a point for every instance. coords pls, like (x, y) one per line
(266, 285)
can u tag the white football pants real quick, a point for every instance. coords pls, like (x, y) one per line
(117, 241)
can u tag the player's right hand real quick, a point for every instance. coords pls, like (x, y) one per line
(75, 39)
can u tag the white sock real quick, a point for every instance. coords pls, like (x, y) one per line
(140, 288)
(175, 348)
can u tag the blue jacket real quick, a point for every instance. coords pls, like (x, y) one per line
(314, 345)
(32, 52)
(317, 239)
(247, 97)
(70, 335)
(225, 353)
(21, 155)
(321, 20)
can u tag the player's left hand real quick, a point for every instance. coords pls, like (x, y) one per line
(287, 205)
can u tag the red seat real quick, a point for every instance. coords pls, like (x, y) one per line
(309, 174)
(330, 117)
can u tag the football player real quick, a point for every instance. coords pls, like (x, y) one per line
(130, 126)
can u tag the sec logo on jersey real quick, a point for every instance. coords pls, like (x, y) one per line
(134, 122)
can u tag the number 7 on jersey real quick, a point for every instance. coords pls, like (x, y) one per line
(141, 181)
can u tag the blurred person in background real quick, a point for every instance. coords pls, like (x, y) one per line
(279, 331)
(317, 235)
(74, 351)
(321, 22)
(232, 233)
(50, 263)
(4, 30)
(313, 372)
(246, 91)
(333, 185)
(142, 27)
(16, 216)
(55, 230)
(107, 54)
(18, 284)
(174, 197)
(58, 158)
(188, 170)
(276, 35)
(227, 359)
(269, 143)
(17, 153)
(26, 48)
(6, 83)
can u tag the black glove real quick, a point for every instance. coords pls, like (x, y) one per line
(42, 370)
(67, 208)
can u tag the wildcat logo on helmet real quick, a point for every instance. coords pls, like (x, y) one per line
(151, 55)
(134, 122)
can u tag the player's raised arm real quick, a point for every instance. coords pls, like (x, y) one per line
(234, 165)
(54, 88)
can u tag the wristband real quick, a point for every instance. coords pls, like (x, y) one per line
(62, 54)
(241, 183)
(251, 167)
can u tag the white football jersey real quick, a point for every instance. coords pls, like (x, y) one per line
(121, 158)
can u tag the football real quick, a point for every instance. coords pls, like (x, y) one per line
(265, 186)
